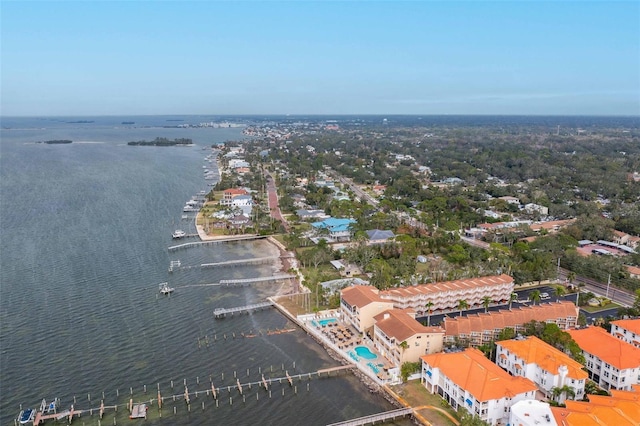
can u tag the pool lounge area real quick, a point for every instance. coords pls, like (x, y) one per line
(365, 352)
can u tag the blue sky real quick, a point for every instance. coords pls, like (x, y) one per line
(328, 57)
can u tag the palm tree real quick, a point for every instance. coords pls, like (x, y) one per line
(562, 393)
(571, 276)
(428, 306)
(403, 345)
(559, 291)
(535, 296)
(485, 302)
(462, 305)
(512, 298)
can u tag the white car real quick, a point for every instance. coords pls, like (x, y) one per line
(544, 295)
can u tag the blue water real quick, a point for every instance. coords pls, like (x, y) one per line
(326, 321)
(84, 230)
(365, 353)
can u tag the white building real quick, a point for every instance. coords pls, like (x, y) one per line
(612, 363)
(627, 330)
(469, 380)
(543, 364)
(531, 413)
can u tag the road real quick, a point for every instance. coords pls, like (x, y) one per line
(618, 295)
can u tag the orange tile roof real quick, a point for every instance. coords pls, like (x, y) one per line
(483, 379)
(397, 323)
(598, 342)
(551, 224)
(620, 409)
(509, 318)
(534, 351)
(633, 270)
(361, 295)
(443, 286)
(633, 325)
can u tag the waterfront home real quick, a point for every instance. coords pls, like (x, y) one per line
(482, 328)
(611, 362)
(400, 338)
(468, 380)
(543, 364)
(360, 304)
(446, 296)
(627, 330)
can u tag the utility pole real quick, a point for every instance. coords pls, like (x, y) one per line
(608, 284)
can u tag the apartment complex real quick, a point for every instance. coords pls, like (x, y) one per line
(469, 380)
(627, 330)
(445, 296)
(612, 363)
(482, 328)
(543, 364)
(359, 304)
(400, 338)
(622, 408)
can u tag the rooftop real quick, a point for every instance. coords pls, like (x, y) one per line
(400, 324)
(620, 409)
(545, 356)
(445, 286)
(633, 325)
(598, 342)
(362, 295)
(472, 371)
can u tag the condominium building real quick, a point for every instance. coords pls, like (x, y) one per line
(400, 338)
(611, 363)
(622, 408)
(627, 330)
(469, 380)
(543, 364)
(482, 328)
(446, 296)
(359, 304)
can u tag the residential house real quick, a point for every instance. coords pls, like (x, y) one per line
(335, 229)
(634, 271)
(377, 236)
(400, 338)
(304, 214)
(627, 330)
(551, 226)
(483, 328)
(611, 362)
(360, 304)
(468, 380)
(532, 208)
(543, 364)
(511, 200)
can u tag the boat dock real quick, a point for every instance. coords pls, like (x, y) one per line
(374, 418)
(217, 241)
(257, 280)
(254, 261)
(222, 312)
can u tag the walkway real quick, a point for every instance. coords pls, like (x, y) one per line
(380, 417)
(274, 208)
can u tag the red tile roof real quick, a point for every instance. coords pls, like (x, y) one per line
(444, 286)
(399, 324)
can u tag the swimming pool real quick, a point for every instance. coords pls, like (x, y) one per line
(326, 321)
(365, 353)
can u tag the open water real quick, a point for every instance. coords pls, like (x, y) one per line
(85, 229)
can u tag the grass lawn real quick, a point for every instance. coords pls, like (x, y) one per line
(417, 395)
(594, 309)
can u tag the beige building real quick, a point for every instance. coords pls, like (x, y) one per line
(360, 304)
(400, 338)
(445, 296)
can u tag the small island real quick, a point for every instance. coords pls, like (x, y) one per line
(57, 141)
(163, 142)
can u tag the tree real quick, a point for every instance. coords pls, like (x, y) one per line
(462, 305)
(408, 368)
(486, 301)
(428, 307)
(535, 296)
(560, 394)
(559, 291)
(468, 419)
(512, 298)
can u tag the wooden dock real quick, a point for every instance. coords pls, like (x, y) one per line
(340, 368)
(257, 280)
(217, 241)
(241, 262)
(380, 417)
(222, 312)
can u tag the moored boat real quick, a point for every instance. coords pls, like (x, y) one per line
(165, 289)
(26, 416)
(178, 233)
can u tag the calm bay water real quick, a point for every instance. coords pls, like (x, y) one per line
(84, 234)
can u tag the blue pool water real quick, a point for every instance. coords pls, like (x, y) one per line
(327, 321)
(373, 367)
(365, 353)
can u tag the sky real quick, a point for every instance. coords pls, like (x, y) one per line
(319, 57)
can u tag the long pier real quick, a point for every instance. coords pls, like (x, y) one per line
(222, 312)
(254, 261)
(380, 417)
(216, 241)
(257, 280)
